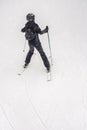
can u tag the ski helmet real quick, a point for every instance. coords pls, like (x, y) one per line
(30, 17)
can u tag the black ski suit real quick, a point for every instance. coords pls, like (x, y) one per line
(35, 42)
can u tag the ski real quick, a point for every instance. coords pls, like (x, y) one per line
(22, 71)
(49, 76)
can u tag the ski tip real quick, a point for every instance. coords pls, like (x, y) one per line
(49, 80)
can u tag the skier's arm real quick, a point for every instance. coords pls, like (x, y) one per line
(44, 31)
(25, 28)
(38, 30)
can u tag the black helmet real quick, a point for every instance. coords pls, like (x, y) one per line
(30, 17)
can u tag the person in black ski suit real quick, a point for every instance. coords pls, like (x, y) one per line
(31, 31)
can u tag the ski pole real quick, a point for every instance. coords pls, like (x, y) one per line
(24, 46)
(50, 48)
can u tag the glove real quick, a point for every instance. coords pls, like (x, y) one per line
(46, 29)
(23, 29)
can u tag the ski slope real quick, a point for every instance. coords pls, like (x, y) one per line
(29, 102)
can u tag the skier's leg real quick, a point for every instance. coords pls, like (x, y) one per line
(29, 55)
(43, 56)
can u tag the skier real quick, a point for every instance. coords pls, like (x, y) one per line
(31, 31)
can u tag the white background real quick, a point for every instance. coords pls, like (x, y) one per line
(29, 102)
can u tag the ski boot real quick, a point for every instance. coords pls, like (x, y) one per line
(25, 65)
(48, 69)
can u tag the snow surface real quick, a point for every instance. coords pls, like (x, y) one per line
(29, 102)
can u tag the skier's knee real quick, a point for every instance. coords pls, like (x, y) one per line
(31, 51)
